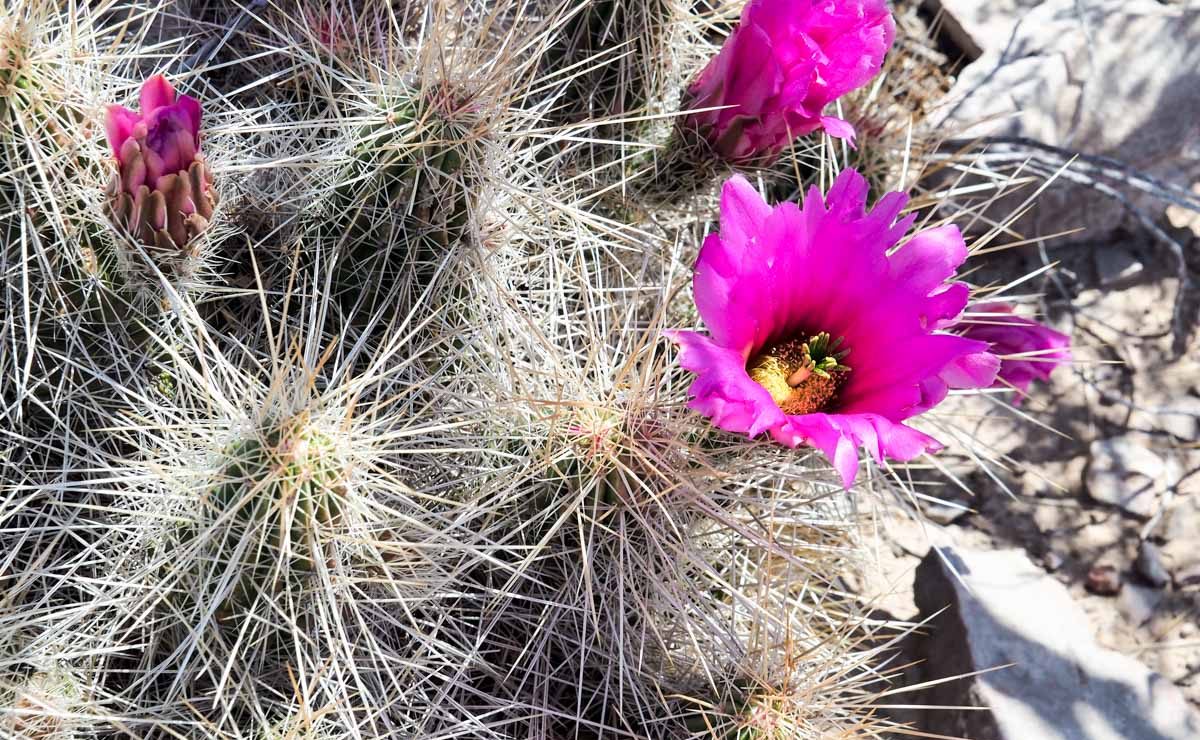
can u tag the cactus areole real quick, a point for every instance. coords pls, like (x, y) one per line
(162, 193)
(273, 505)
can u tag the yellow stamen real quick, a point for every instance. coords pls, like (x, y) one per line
(802, 375)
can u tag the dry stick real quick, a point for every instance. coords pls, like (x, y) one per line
(1036, 163)
(1098, 165)
(235, 24)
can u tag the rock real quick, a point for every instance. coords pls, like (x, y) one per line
(944, 513)
(1116, 266)
(1181, 521)
(1052, 561)
(1125, 474)
(1149, 565)
(997, 609)
(1185, 218)
(1189, 576)
(1056, 72)
(1103, 579)
(1182, 418)
(1137, 603)
(975, 26)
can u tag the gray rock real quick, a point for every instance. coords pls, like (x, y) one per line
(1084, 75)
(976, 26)
(1181, 558)
(1181, 521)
(997, 609)
(1125, 474)
(1116, 265)
(1182, 418)
(1103, 579)
(1137, 603)
(1188, 576)
(944, 513)
(1149, 565)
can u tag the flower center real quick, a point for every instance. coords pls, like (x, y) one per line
(802, 375)
(162, 134)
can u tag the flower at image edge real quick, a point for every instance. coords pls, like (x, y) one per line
(1028, 350)
(783, 64)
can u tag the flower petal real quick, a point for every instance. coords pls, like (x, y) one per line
(156, 93)
(779, 69)
(118, 126)
(839, 129)
(1025, 349)
(722, 389)
(191, 108)
(840, 436)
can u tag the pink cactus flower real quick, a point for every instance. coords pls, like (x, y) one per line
(784, 63)
(1027, 350)
(819, 333)
(162, 193)
(165, 135)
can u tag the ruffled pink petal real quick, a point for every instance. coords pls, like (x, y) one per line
(839, 129)
(829, 265)
(779, 69)
(722, 390)
(929, 259)
(840, 436)
(729, 262)
(1025, 349)
(156, 93)
(118, 126)
(191, 108)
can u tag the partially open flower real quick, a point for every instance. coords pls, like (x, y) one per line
(1027, 350)
(162, 194)
(780, 67)
(819, 335)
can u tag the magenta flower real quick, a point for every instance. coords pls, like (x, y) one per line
(780, 67)
(817, 334)
(1027, 350)
(162, 193)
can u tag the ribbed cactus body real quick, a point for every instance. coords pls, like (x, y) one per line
(271, 508)
(407, 180)
(40, 708)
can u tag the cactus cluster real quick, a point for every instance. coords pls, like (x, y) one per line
(335, 400)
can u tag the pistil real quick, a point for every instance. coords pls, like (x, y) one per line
(802, 375)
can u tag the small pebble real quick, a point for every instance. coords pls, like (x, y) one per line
(1104, 580)
(1189, 576)
(1149, 565)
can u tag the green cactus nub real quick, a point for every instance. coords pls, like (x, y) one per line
(273, 506)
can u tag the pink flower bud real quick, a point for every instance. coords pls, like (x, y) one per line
(166, 132)
(779, 69)
(162, 193)
(1028, 351)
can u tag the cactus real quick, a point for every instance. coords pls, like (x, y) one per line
(271, 508)
(420, 464)
(42, 706)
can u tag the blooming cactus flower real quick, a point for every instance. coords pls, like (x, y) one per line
(162, 193)
(1027, 350)
(818, 333)
(780, 67)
